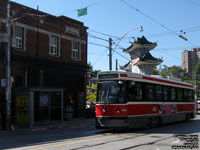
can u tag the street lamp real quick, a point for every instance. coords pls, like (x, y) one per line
(140, 29)
(110, 44)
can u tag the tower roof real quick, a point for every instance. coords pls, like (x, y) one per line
(141, 43)
(149, 59)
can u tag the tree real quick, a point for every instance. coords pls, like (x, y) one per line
(93, 72)
(91, 92)
(197, 68)
(174, 71)
(177, 72)
(155, 71)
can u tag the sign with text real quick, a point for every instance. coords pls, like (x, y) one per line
(3, 37)
(22, 108)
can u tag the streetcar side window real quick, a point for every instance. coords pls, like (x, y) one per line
(135, 91)
(191, 95)
(179, 94)
(158, 93)
(149, 92)
(173, 94)
(166, 93)
(185, 95)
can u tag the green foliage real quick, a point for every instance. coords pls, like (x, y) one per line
(155, 71)
(94, 72)
(91, 93)
(197, 68)
(175, 71)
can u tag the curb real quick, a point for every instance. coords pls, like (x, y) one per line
(70, 124)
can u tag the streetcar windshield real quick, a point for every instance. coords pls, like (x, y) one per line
(111, 92)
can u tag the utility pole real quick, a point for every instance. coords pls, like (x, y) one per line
(8, 74)
(116, 65)
(110, 54)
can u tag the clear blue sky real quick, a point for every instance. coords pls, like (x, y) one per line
(162, 21)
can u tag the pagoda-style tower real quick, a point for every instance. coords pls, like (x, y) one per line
(141, 59)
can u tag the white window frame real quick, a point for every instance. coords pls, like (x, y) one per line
(76, 52)
(54, 47)
(19, 39)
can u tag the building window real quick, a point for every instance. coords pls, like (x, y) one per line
(75, 50)
(54, 46)
(19, 35)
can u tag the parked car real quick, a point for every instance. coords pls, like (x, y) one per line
(198, 104)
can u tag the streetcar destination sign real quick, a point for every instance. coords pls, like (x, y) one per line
(108, 76)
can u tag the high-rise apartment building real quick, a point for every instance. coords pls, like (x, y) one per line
(190, 59)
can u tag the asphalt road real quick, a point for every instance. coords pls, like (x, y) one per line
(88, 138)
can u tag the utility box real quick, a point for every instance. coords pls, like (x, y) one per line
(38, 105)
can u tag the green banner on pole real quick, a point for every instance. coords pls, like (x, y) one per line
(82, 12)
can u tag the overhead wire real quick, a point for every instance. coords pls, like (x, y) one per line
(99, 57)
(197, 4)
(183, 31)
(96, 37)
(155, 21)
(90, 5)
(97, 44)
(105, 34)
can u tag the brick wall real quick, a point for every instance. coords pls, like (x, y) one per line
(39, 26)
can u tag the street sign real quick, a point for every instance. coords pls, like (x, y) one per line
(14, 42)
(3, 37)
(3, 82)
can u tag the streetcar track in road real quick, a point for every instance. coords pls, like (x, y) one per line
(87, 140)
(105, 138)
(70, 143)
(147, 143)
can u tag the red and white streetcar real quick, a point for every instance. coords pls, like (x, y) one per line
(131, 100)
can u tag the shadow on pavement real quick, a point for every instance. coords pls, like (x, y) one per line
(29, 137)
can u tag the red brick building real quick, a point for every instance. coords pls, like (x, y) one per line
(50, 52)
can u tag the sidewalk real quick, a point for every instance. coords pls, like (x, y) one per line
(72, 123)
